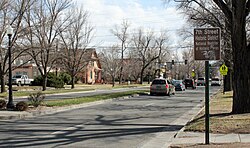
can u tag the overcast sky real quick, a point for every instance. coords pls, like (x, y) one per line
(152, 14)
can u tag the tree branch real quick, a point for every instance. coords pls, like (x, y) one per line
(247, 8)
(225, 9)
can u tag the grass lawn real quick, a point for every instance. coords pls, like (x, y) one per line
(27, 90)
(221, 119)
(74, 101)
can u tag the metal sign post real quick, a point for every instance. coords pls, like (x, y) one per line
(207, 103)
(207, 47)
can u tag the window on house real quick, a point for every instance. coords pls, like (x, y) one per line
(91, 75)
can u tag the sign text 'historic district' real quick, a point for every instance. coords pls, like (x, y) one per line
(207, 44)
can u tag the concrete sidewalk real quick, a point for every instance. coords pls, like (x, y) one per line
(183, 138)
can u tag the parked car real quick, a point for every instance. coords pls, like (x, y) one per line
(189, 83)
(21, 80)
(215, 82)
(201, 81)
(179, 85)
(161, 86)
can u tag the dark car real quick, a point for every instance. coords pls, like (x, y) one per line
(189, 83)
(179, 85)
(201, 81)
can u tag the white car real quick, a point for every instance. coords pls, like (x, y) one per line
(21, 80)
(215, 82)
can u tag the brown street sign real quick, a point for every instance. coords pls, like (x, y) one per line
(207, 44)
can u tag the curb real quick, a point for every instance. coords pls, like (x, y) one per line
(183, 128)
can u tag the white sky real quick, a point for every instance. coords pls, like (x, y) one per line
(149, 14)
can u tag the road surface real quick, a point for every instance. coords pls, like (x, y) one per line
(134, 122)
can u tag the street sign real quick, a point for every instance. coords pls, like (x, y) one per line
(223, 69)
(207, 44)
(193, 74)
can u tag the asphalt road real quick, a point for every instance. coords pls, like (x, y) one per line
(133, 122)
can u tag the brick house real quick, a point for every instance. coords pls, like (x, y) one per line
(28, 69)
(92, 73)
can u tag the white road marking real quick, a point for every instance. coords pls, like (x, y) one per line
(67, 129)
(150, 104)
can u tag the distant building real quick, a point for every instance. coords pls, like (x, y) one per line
(26, 69)
(92, 73)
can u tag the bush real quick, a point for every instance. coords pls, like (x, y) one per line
(55, 82)
(21, 106)
(65, 77)
(36, 99)
(52, 81)
(3, 104)
(38, 81)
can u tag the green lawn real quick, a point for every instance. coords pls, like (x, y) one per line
(74, 101)
(27, 90)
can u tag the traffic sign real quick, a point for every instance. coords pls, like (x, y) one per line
(223, 69)
(193, 74)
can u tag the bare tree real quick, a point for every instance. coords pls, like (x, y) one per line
(236, 14)
(109, 58)
(45, 21)
(11, 13)
(122, 34)
(205, 13)
(75, 39)
(148, 48)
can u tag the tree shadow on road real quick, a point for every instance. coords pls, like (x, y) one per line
(114, 129)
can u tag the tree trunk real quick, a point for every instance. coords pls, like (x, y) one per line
(44, 82)
(72, 82)
(113, 81)
(121, 75)
(121, 70)
(141, 81)
(2, 84)
(241, 54)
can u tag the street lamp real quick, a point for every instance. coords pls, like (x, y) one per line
(165, 66)
(10, 104)
(113, 77)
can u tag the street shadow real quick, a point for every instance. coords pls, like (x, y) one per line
(62, 128)
(211, 115)
(116, 128)
(221, 114)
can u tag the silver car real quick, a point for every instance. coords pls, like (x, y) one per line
(215, 82)
(161, 86)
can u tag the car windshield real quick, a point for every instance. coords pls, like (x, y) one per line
(159, 82)
(188, 80)
(17, 76)
(215, 79)
(176, 82)
(201, 79)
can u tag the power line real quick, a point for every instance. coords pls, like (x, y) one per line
(111, 35)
